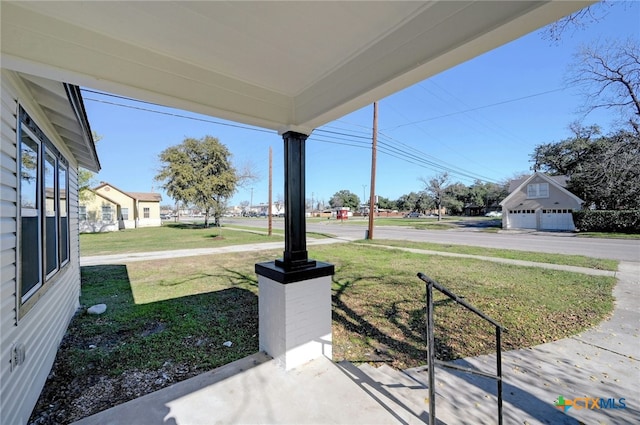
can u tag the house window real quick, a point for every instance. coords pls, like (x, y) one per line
(145, 212)
(43, 238)
(51, 220)
(82, 213)
(63, 183)
(106, 213)
(124, 214)
(538, 190)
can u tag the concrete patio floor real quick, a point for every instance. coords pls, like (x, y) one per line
(599, 363)
(254, 390)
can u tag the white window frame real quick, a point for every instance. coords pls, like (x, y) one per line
(47, 156)
(106, 207)
(51, 213)
(537, 190)
(30, 212)
(64, 241)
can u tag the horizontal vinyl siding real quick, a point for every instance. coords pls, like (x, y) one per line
(41, 335)
(8, 200)
(43, 326)
(74, 237)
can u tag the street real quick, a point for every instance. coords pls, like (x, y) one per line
(551, 242)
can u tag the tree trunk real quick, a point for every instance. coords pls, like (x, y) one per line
(206, 218)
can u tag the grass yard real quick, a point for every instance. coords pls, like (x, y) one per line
(169, 236)
(538, 257)
(428, 223)
(185, 309)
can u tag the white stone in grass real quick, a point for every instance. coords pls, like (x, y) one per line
(97, 309)
(228, 344)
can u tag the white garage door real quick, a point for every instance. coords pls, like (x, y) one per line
(522, 219)
(556, 219)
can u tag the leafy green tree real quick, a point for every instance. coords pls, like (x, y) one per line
(345, 198)
(406, 202)
(386, 203)
(86, 178)
(415, 201)
(603, 170)
(199, 171)
(457, 196)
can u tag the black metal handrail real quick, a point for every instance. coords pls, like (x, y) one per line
(431, 349)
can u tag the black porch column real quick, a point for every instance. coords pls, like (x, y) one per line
(295, 227)
(295, 264)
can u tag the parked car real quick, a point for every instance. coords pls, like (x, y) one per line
(493, 214)
(414, 214)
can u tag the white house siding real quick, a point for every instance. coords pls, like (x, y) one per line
(150, 222)
(40, 329)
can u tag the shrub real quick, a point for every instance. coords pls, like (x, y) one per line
(617, 221)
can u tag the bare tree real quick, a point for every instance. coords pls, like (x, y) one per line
(609, 75)
(435, 187)
(577, 21)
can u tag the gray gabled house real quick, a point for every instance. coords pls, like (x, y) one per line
(540, 202)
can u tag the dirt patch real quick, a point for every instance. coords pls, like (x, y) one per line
(67, 398)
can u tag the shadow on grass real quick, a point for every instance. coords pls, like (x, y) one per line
(189, 226)
(407, 339)
(479, 224)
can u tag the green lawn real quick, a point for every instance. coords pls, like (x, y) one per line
(538, 257)
(159, 308)
(169, 236)
(609, 235)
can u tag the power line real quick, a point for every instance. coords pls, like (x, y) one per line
(345, 139)
(172, 114)
(478, 108)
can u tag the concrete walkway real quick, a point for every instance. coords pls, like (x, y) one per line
(599, 363)
(165, 255)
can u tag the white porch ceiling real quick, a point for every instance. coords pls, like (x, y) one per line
(279, 65)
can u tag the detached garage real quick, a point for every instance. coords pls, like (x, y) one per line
(540, 202)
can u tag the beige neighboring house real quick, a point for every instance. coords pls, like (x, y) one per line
(539, 202)
(111, 209)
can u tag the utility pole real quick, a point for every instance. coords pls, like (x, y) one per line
(270, 226)
(251, 203)
(364, 194)
(372, 194)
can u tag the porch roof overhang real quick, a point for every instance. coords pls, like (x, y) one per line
(286, 66)
(62, 104)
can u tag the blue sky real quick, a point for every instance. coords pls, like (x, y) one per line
(482, 119)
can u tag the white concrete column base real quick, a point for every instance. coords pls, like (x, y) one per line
(295, 320)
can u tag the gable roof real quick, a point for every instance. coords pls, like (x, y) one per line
(553, 182)
(561, 180)
(144, 196)
(103, 196)
(281, 65)
(138, 196)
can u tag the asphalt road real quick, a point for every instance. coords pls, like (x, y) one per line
(559, 243)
